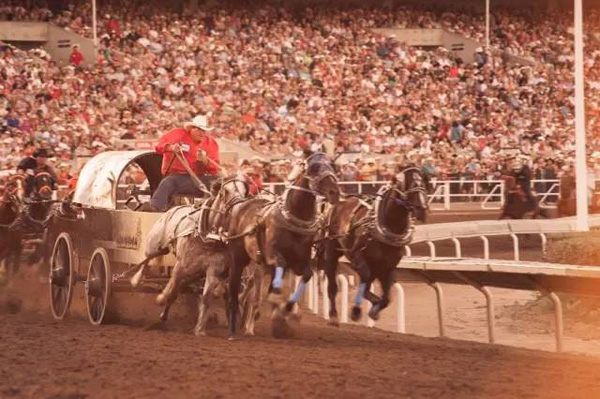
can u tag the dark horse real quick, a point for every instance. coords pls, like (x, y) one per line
(372, 238)
(10, 236)
(279, 236)
(516, 203)
(567, 204)
(39, 203)
(36, 212)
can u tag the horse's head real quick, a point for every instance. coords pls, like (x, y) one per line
(42, 185)
(409, 183)
(321, 176)
(230, 191)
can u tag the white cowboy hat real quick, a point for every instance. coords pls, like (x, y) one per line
(201, 122)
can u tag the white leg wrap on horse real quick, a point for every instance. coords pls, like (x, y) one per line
(299, 291)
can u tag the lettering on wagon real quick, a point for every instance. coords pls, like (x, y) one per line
(130, 241)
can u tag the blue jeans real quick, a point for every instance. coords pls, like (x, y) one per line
(177, 185)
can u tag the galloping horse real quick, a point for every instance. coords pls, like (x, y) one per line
(516, 203)
(372, 238)
(280, 236)
(36, 212)
(11, 237)
(187, 230)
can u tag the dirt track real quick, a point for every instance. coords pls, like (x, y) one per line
(43, 358)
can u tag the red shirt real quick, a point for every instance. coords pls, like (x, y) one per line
(76, 58)
(172, 166)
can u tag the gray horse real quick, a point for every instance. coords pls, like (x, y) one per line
(199, 251)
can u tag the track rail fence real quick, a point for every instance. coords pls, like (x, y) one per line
(443, 195)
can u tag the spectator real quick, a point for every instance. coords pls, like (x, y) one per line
(76, 57)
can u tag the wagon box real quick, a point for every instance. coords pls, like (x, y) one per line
(100, 237)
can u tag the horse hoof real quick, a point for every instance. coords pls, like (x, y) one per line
(374, 313)
(356, 313)
(333, 321)
(249, 333)
(232, 338)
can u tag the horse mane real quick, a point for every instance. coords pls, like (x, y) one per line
(215, 187)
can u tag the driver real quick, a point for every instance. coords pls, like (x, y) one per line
(34, 164)
(201, 153)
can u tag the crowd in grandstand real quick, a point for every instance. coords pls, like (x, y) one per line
(320, 78)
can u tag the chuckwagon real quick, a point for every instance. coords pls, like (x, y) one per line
(99, 237)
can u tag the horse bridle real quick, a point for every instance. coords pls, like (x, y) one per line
(234, 200)
(44, 188)
(403, 192)
(314, 182)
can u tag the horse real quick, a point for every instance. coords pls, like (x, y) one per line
(36, 212)
(372, 237)
(277, 236)
(516, 203)
(199, 252)
(567, 203)
(38, 205)
(11, 237)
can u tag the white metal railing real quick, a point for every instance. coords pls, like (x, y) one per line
(444, 193)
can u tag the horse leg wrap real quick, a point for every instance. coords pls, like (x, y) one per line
(278, 278)
(298, 293)
(360, 294)
(374, 312)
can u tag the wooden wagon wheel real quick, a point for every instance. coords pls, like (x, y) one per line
(98, 286)
(62, 276)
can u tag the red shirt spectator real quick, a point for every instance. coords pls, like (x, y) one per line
(76, 58)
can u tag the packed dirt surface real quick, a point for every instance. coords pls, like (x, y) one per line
(43, 358)
(70, 359)
(582, 316)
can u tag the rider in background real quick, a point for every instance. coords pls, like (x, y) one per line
(34, 164)
(201, 153)
(522, 175)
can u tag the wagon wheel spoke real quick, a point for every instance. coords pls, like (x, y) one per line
(56, 296)
(64, 296)
(99, 305)
(60, 258)
(94, 308)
